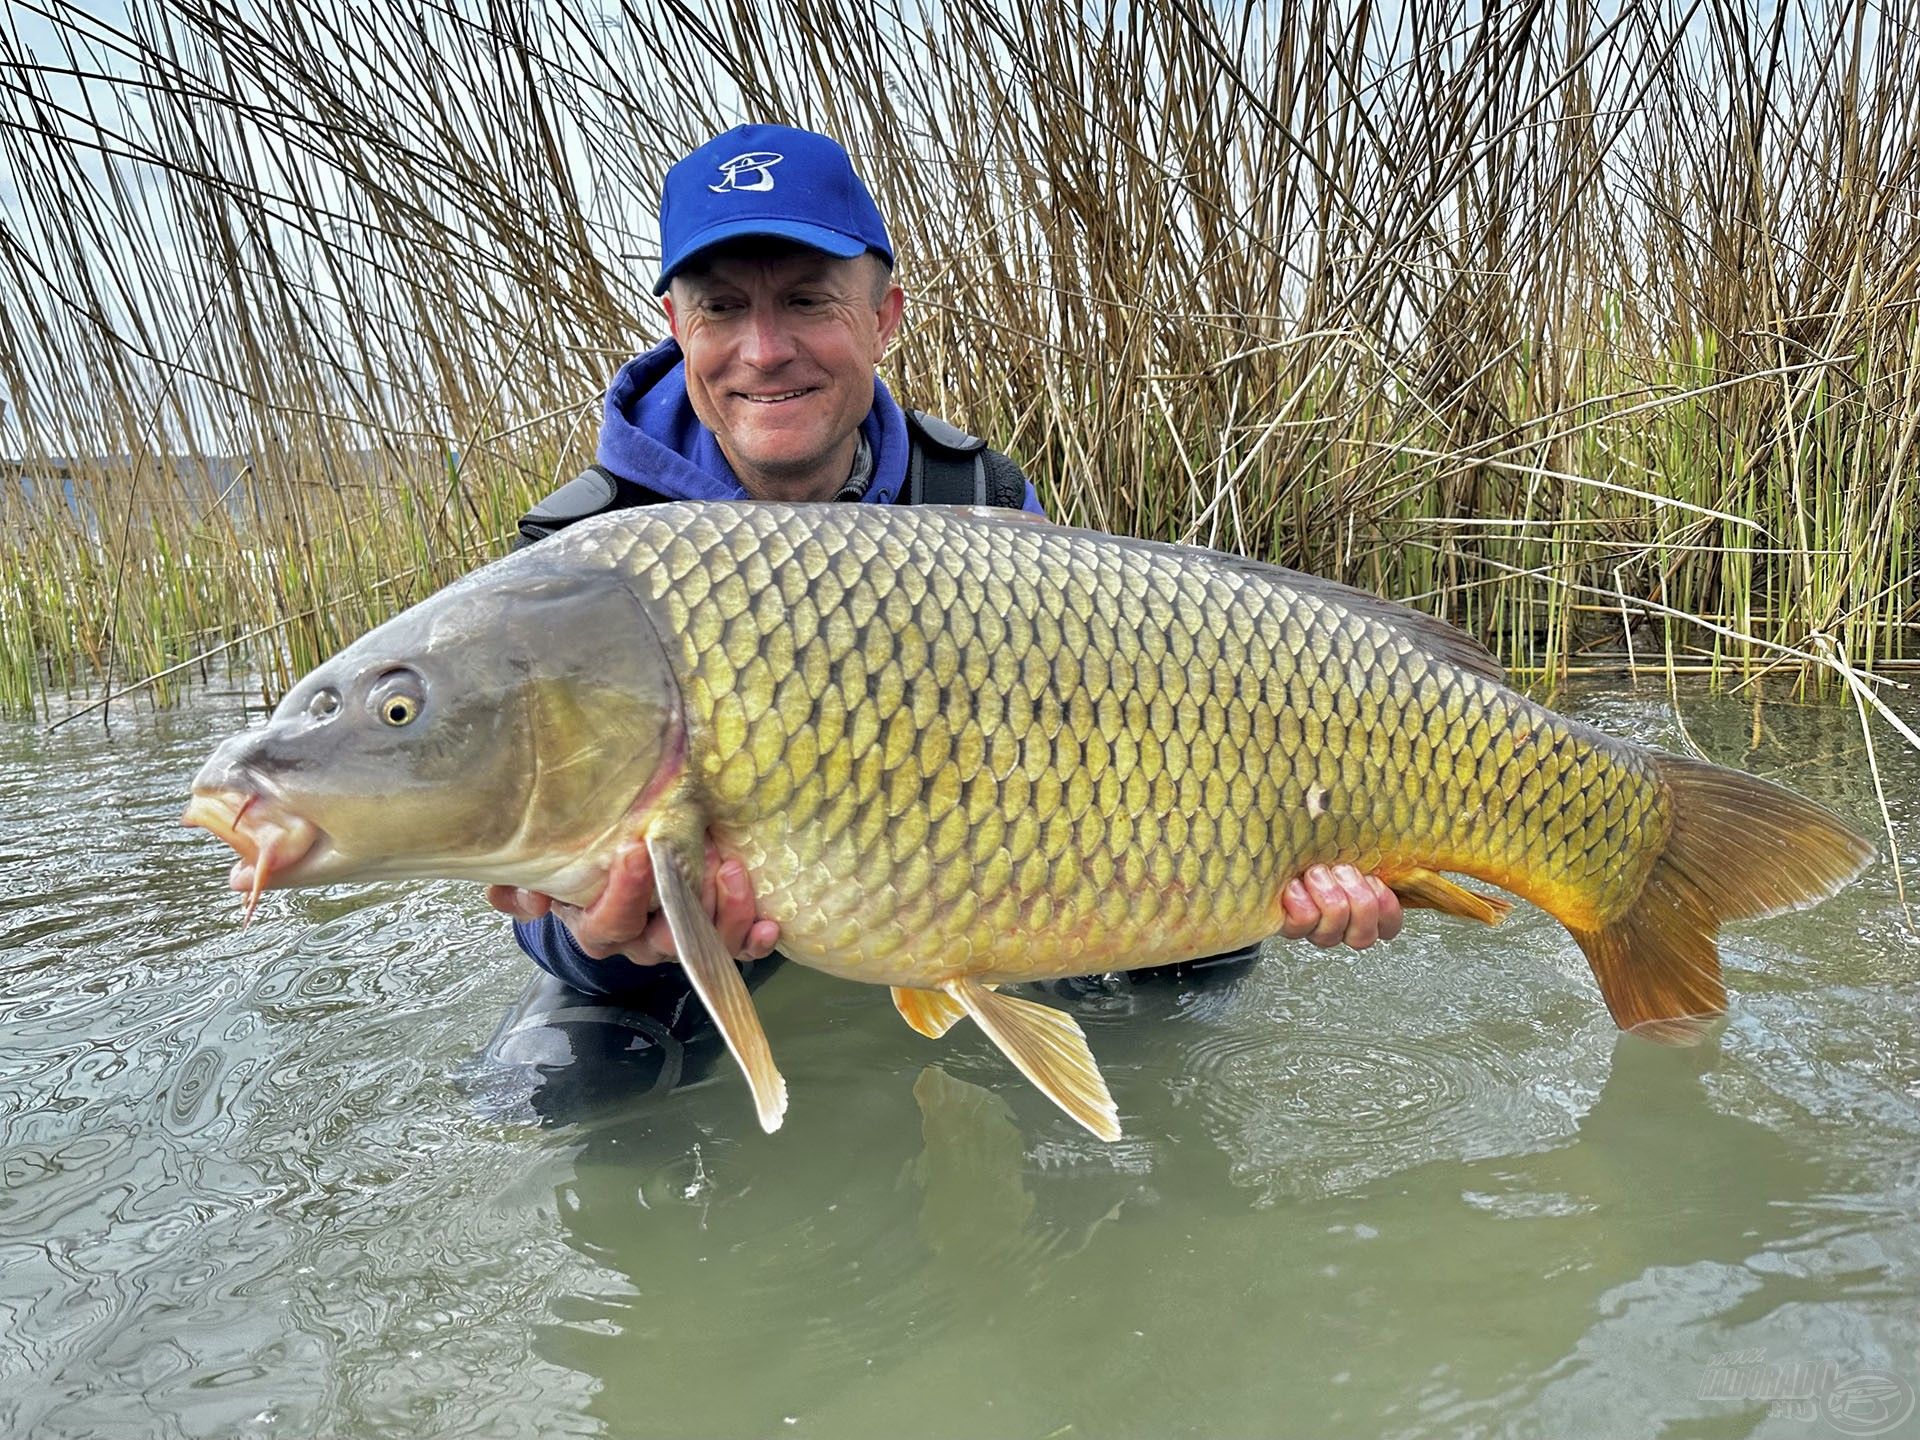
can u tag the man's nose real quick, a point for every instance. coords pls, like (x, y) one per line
(769, 343)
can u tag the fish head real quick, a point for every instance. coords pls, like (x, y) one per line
(504, 730)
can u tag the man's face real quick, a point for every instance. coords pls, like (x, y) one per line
(781, 344)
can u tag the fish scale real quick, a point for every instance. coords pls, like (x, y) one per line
(905, 720)
(958, 749)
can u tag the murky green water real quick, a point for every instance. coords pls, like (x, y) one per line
(260, 1183)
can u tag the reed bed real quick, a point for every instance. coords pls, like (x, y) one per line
(1590, 327)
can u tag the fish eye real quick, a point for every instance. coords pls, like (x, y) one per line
(325, 704)
(398, 698)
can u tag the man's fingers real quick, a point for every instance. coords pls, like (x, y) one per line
(761, 939)
(623, 921)
(520, 904)
(1363, 907)
(580, 928)
(733, 913)
(1337, 905)
(630, 895)
(746, 935)
(1332, 899)
(655, 943)
(613, 922)
(614, 925)
(1392, 914)
(1302, 910)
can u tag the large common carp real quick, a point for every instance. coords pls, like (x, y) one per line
(962, 748)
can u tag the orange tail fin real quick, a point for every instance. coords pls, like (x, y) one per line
(1739, 848)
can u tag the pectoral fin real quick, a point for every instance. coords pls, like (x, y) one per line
(716, 980)
(1048, 1048)
(1427, 890)
(928, 1011)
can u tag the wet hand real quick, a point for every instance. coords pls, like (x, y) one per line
(1337, 905)
(626, 920)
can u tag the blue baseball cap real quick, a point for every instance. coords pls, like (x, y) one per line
(766, 180)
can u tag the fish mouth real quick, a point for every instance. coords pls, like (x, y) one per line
(274, 845)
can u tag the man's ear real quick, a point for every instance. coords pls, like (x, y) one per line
(891, 309)
(673, 320)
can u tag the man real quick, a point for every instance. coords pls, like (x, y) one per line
(776, 273)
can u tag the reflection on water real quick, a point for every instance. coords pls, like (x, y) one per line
(284, 1182)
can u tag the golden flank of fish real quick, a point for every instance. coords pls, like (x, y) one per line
(959, 749)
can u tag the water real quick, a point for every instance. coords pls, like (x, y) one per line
(259, 1184)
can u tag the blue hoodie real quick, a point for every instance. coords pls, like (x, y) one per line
(650, 436)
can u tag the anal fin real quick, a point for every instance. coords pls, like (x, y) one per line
(1047, 1047)
(928, 1011)
(1430, 890)
(716, 980)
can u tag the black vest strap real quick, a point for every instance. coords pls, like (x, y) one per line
(593, 491)
(945, 465)
(955, 468)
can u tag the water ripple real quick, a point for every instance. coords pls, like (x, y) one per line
(240, 1190)
(1323, 1111)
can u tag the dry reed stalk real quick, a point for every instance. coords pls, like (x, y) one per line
(1555, 318)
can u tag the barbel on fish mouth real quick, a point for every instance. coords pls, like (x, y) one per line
(958, 749)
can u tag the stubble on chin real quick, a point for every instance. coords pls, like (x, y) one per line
(818, 476)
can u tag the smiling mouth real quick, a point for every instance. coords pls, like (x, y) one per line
(780, 398)
(272, 844)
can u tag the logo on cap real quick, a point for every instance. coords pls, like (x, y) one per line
(751, 171)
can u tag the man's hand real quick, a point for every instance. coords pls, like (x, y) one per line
(1338, 905)
(626, 919)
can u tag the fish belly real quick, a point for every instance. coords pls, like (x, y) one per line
(950, 745)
